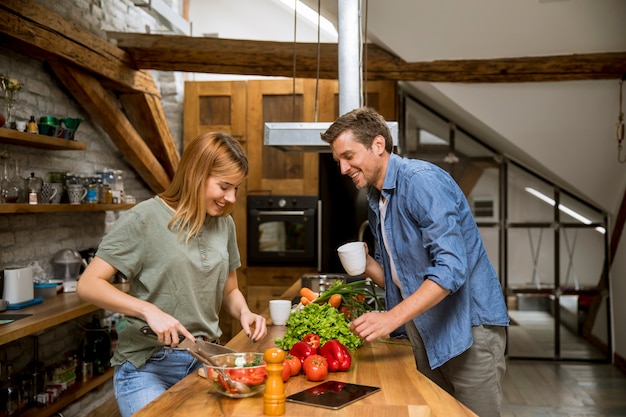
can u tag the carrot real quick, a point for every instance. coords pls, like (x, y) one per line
(346, 312)
(335, 300)
(308, 293)
(305, 301)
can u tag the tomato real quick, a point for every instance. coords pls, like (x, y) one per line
(219, 381)
(249, 376)
(295, 364)
(312, 340)
(315, 368)
(286, 370)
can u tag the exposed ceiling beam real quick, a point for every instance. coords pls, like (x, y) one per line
(37, 32)
(103, 109)
(230, 56)
(147, 116)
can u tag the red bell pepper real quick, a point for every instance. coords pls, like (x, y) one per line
(337, 355)
(312, 340)
(302, 350)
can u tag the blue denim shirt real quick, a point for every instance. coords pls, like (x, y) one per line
(432, 235)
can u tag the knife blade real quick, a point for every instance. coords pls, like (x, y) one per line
(198, 346)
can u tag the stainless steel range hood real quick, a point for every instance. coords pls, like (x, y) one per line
(305, 136)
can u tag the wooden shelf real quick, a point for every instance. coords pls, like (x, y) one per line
(52, 311)
(39, 141)
(72, 394)
(54, 208)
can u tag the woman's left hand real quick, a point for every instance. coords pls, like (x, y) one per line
(254, 325)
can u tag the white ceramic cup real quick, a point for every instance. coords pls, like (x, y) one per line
(20, 125)
(76, 193)
(48, 192)
(352, 256)
(280, 311)
(59, 192)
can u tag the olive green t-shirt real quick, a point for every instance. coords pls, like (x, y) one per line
(185, 280)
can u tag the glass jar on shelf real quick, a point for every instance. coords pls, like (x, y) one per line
(91, 184)
(12, 184)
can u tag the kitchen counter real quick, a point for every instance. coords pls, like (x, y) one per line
(51, 312)
(387, 364)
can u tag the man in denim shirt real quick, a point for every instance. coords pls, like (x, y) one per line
(430, 258)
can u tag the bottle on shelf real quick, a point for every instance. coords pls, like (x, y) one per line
(3, 391)
(99, 344)
(32, 125)
(13, 394)
(13, 186)
(37, 372)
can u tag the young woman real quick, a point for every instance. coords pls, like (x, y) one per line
(179, 253)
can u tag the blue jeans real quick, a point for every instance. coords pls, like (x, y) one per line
(136, 387)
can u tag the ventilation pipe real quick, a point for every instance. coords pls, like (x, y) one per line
(305, 137)
(350, 55)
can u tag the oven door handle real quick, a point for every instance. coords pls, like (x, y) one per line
(282, 213)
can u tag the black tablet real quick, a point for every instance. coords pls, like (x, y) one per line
(332, 394)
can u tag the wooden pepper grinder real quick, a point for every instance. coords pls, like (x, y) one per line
(274, 395)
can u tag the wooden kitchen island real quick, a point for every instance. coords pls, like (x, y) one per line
(387, 364)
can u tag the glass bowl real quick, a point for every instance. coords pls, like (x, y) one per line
(246, 367)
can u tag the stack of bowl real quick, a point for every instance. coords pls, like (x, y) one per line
(48, 126)
(60, 128)
(70, 125)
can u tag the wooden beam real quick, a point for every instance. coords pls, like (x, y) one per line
(146, 114)
(229, 56)
(38, 32)
(103, 109)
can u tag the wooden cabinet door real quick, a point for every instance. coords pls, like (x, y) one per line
(213, 106)
(272, 170)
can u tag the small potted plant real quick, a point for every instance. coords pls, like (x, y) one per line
(10, 86)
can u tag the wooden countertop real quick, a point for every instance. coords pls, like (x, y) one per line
(388, 364)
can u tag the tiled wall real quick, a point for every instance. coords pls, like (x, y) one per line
(29, 237)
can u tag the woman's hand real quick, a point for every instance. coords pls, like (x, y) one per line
(254, 325)
(167, 329)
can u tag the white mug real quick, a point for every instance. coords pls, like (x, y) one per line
(48, 192)
(20, 125)
(280, 311)
(76, 193)
(352, 256)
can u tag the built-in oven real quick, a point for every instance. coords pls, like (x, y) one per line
(283, 230)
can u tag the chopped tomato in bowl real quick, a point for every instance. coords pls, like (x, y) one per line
(247, 367)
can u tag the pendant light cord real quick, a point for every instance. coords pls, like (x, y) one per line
(317, 74)
(619, 128)
(364, 43)
(293, 78)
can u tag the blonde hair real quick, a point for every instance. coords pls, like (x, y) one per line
(209, 154)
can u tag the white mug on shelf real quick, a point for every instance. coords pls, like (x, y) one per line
(76, 193)
(48, 192)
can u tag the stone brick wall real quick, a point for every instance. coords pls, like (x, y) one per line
(36, 237)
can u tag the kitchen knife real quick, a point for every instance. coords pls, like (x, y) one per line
(198, 346)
